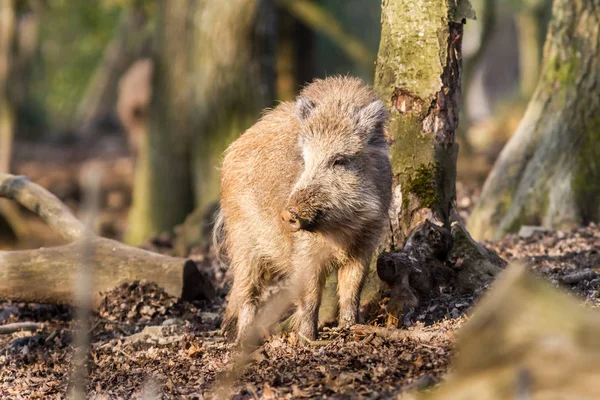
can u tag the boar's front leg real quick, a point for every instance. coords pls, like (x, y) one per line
(310, 280)
(351, 278)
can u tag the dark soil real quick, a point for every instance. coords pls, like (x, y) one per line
(147, 344)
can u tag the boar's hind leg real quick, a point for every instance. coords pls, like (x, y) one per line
(243, 302)
(306, 318)
(350, 281)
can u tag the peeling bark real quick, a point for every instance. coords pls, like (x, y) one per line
(418, 75)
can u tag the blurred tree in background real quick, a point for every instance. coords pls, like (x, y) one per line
(7, 34)
(73, 35)
(131, 40)
(214, 73)
(548, 172)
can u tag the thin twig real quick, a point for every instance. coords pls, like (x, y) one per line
(84, 283)
(418, 335)
(272, 311)
(19, 326)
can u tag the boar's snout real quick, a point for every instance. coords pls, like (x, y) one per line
(292, 220)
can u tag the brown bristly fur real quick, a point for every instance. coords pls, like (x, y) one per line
(320, 163)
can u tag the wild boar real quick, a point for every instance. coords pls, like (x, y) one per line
(305, 190)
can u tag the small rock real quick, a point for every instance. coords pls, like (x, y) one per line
(209, 316)
(425, 382)
(173, 321)
(527, 230)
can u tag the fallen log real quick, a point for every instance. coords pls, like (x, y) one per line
(47, 275)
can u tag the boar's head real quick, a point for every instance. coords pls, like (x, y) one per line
(343, 150)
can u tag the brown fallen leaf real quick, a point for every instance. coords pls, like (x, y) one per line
(195, 351)
(297, 392)
(268, 392)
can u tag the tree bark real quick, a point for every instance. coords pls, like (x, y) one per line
(8, 212)
(418, 76)
(47, 275)
(295, 54)
(213, 75)
(546, 175)
(530, 24)
(486, 12)
(7, 34)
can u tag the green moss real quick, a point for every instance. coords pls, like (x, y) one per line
(585, 180)
(414, 148)
(422, 184)
(563, 71)
(412, 51)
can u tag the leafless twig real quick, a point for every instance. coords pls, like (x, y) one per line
(84, 284)
(19, 326)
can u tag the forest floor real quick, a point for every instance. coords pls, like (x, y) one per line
(147, 344)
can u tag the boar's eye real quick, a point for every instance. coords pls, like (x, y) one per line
(340, 161)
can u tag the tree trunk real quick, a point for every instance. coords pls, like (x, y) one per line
(26, 50)
(234, 80)
(162, 194)
(130, 40)
(486, 12)
(295, 54)
(213, 74)
(8, 212)
(547, 173)
(530, 23)
(7, 33)
(418, 76)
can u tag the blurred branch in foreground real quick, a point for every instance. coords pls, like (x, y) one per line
(84, 285)
(526, 340)
(47, 275)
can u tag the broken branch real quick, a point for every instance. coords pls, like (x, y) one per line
(19, 326)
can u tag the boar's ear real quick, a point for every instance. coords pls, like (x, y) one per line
(304, 107)
(371, 118)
